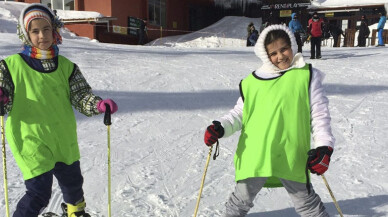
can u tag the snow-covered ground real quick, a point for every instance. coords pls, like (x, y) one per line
(168, 95)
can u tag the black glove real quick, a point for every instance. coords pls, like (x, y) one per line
(319, 159)
(213, 133)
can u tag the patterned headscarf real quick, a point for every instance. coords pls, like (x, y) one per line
(38, 11)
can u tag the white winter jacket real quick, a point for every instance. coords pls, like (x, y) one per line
(320, 116)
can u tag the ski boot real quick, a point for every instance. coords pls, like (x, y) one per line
(78, 210)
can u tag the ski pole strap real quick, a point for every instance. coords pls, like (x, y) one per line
(217, 126)
(217, 152)
(311, 154)
(107, 119)
(307, 179)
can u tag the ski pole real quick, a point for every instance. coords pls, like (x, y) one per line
(2, 113)
(107, 122)
(203, 181)
(332, 196)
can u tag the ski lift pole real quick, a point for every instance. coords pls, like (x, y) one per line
(203, 181)
(2, 113)
(332, 196)
(107, 122)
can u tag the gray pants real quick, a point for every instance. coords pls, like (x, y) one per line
(241, 200)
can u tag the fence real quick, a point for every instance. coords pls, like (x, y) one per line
(350, 39)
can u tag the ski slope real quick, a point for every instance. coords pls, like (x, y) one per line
(167, 95)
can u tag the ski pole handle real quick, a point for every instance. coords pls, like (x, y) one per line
(2, 108)
(107, 116)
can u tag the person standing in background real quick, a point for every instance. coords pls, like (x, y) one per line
(380, 28)
(296, 28)
(363, 33)
(315, 29)
(250, 30)
(142, 32)
(335, 31)
(51, 7)
(253, 37)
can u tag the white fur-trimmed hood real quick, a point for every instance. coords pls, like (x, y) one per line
(260, 51)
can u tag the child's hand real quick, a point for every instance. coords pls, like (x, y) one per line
(3, 96)
(319, 159)
(213, 133)
(101, 105)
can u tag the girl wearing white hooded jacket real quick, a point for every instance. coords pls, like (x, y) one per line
(281, 104)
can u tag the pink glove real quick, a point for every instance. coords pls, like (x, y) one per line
(101, 106)
(3, 97)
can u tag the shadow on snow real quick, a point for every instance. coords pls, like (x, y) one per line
(354, 207)
(211, 99)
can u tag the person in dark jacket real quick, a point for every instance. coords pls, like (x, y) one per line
(336, 31)
(142, 32)
(326, 29)
(250, 30)
(253, 37)
(315, 29)
(364, 32)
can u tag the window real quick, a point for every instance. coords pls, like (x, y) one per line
(59, 4)
(157, 12)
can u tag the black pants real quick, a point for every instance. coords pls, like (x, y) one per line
(298, 41)
(361, 41)
(141, 38)
(335, 43)
(316, 47)
(38, 192)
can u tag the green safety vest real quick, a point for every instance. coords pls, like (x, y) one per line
(41, 127)
(275, 134)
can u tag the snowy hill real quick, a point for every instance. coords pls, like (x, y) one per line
(228, 32)
(168, 95)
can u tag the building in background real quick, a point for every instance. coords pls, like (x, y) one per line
(348, 18)
(121, 18)
(279, 11)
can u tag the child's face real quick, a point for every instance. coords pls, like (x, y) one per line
(280, 53)
(41, 34)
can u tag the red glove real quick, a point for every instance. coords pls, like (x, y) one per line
(213, 133)
(3, 96)
(319, 159)
(101, 106)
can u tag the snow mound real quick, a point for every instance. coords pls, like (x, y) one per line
(9, 14)
(65, 14)
(230, 31)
